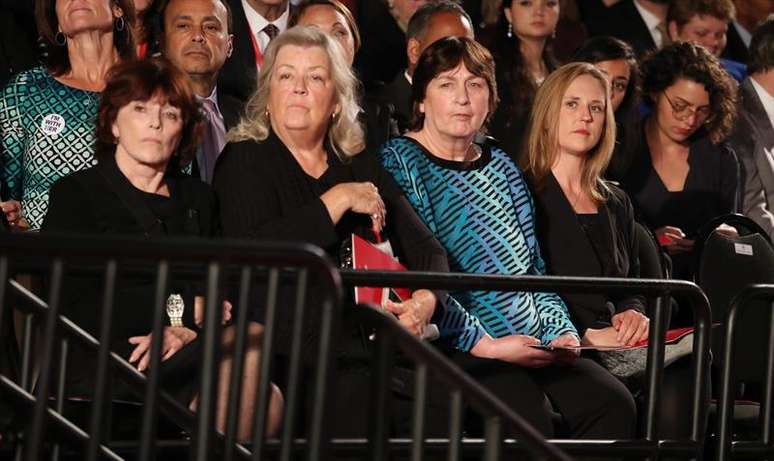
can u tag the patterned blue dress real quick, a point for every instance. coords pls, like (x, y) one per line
(482, 213)
(47, 130)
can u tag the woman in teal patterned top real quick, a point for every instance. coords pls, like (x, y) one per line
(47, 114)
(475, 200)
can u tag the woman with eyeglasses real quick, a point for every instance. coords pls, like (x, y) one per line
(684, 175)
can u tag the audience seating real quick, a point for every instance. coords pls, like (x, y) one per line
(650, 446)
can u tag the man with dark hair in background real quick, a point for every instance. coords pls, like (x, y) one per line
(196, 39)
(431, 22)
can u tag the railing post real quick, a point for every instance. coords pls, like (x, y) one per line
(380, 396)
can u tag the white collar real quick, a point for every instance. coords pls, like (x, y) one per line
(651, 20)
(258, 22)
(408, 77)
(744, 34)
(766, 98)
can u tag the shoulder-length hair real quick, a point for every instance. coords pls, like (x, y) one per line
(57, 58)
(517, 85)
(141, 80)
(543, 140)
(336, 5)
(661, 69)
(444, 55)
(345, 134)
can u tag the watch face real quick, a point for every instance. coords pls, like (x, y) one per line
(175, 306)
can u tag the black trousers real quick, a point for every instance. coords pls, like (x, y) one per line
(580, 400)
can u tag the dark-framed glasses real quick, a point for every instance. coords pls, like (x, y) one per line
(681, 110)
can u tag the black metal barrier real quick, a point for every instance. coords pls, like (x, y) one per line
(764, 447)
(657, 292)
(49, 432)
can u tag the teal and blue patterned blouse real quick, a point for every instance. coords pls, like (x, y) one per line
(47, 130)
(482, 213)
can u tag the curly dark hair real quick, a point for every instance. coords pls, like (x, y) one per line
(140, 80)
(661, 69)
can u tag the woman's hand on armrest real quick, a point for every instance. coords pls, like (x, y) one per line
(414, 313)
(514, 349)
(175, 338)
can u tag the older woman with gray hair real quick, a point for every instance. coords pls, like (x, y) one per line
(291, 170)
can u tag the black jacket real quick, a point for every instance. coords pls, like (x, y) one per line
(567, 250)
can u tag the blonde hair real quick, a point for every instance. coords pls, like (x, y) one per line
(345, 134)
(543, 142)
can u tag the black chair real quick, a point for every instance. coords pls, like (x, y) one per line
(725, 265)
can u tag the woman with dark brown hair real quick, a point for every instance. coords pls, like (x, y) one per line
(524, 59)
(684, 175)
(47, 113)
(149, 125)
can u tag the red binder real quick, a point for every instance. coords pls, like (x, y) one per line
(367, 256)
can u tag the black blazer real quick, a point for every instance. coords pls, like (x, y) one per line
(94, 201)
(567, 250)
(623, 21)
(238, 76)
(735, 49)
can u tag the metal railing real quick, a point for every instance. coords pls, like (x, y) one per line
(657, 292)
(727, 448)
(223, 261)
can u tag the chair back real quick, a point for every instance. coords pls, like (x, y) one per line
(725, 266)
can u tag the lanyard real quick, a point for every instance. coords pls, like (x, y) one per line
(142, 50)
(257, 51)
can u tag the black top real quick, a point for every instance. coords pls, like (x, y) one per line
(624, 21)
(603, 244)
(710, 190)
(266, 195)
(101, 200)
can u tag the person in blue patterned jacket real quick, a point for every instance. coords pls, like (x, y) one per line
(47, 114)
(476, 202)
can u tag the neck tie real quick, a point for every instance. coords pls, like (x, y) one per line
(662, 29)
(214, 139)
(271, 31)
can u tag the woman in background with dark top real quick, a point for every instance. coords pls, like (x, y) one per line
(47, 113)
(149, 125)
(586, 225)
(524, 59)
(684, 175)
(618, 62)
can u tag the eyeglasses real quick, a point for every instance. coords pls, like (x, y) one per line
(681, 111)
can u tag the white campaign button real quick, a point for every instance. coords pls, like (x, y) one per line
(52, 124)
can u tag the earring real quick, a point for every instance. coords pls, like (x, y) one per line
(553, 34)
(510, 30)
(120, 24)
(60, 39)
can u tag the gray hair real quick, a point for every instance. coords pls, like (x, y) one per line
(345, 134)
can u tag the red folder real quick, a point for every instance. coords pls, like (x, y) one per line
(367, 256)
